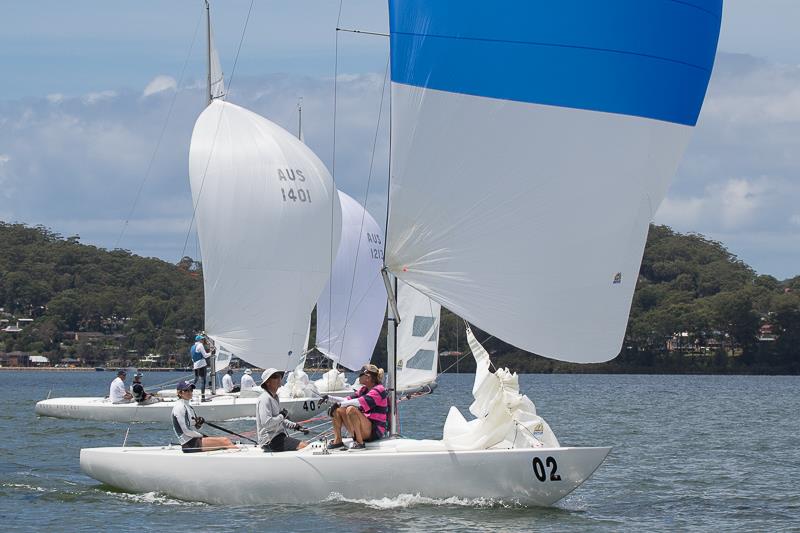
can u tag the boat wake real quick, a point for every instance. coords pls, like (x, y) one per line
(404, 501)
(25, 487)
(157, 498)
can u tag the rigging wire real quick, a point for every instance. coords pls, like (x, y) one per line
(335, 193)
(160, 136)
(366, 197)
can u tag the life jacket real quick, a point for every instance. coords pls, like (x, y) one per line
(196, 356)
(375, 405)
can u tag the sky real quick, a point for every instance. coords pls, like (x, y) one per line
(99, 99)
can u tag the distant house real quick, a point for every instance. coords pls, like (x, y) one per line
(766, 333)
(149, 360)
(38, 360)
(21, 323)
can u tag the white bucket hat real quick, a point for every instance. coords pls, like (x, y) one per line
(266, 374)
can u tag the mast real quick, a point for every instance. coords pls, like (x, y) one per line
(208, 53)
(213, 359)
(392, 319)
(300, 118)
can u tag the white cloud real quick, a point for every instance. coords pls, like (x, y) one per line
(795, 219)
(55, 98)
(158, 84)
(95, 97)
(740, 173)
(739, 200)
(5, 188)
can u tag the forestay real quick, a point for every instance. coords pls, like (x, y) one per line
(269, 224)
(417, 338)
(532, 142)
(351, 308)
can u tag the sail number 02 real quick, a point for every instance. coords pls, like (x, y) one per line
(540, 469)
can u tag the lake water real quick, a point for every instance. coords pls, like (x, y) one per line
(710, 453)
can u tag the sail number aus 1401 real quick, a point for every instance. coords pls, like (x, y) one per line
(293, 176)
(540, 469)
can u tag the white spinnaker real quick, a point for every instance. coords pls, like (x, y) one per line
(351, 307)
(417, 338)
(527, 220)
(269, 224)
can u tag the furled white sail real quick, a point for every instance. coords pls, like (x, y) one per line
(417, 338)
(532, 142)
(269, 223)
(503, 417)
(351, 307)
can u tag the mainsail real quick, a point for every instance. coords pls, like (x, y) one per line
(351, 307)
(215, 77)
(269, 221)
(417, 338)
(532, 143)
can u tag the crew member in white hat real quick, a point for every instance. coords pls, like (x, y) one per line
(247, 380)
(271, 420)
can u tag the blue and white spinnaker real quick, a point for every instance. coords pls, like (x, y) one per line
(532, 143)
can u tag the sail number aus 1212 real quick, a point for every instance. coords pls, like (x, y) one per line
(290, 190)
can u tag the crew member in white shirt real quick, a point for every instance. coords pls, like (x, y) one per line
(186, 423)
(272, 421)
(118, 393)
(227, 382)
(247, 380)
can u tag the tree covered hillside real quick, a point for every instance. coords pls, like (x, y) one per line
(138, 304)
(697, 308)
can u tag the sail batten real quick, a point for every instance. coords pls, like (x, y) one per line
(531, 145)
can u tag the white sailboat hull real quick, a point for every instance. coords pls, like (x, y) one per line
(385, 469)
(221, 407)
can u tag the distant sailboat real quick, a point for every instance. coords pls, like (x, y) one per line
(268, 221)
(531, 144)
